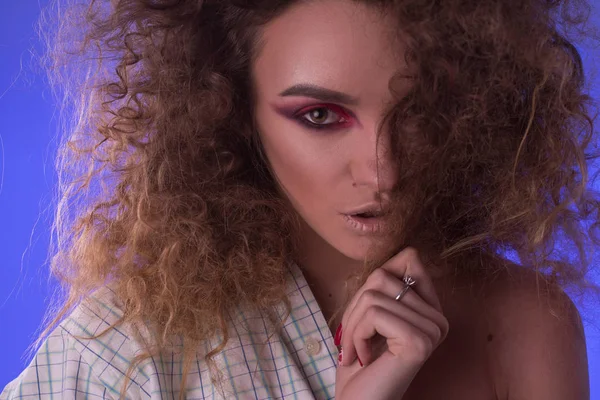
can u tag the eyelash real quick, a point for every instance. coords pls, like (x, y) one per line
(330, 108)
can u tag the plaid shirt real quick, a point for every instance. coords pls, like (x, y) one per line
(299, 363)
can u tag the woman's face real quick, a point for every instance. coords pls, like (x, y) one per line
(321, 81)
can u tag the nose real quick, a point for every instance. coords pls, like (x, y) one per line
(371, 164)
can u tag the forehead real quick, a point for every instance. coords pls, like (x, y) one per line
(340, 44)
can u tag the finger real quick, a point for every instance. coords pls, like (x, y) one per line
(407, 262)
(436, 327)
(372, 298)
(390, 284)
(405, 340)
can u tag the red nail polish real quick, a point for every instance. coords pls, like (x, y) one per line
(340, 357)
(338, 335)
(360, 362)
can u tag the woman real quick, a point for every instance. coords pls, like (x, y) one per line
(308, 199)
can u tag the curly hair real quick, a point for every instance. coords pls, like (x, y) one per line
(164, 192)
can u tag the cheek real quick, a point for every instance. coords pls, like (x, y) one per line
(301, 163)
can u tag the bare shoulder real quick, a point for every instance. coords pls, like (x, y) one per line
(538, 348)
(513, 336)
(515, 291)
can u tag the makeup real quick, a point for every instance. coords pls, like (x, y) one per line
(339, 117)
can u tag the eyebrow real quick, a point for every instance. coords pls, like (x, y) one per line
(319, 93)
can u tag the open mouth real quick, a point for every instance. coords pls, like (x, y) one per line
(368, 214)
(370, 218)
(366, 222)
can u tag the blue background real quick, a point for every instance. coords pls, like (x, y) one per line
(27, 130)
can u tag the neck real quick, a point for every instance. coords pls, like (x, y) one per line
(325, 270)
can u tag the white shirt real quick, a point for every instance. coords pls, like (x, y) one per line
(298, 363)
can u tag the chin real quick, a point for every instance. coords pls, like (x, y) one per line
(353, 247)
(350, 245)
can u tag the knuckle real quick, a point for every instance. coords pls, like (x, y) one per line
(440, 320)
(373, 312)
(378, 277)
(411, 253)
(437, 332)
(421, 347)
(369, 296)
(445, 327)
(431, 329)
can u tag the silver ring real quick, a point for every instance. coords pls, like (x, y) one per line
(408, 282)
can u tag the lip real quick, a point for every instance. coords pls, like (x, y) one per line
(369, 207)
(364, 225)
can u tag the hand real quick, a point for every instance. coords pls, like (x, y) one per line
(392, 339)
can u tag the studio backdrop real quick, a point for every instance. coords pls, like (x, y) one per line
(28, 128)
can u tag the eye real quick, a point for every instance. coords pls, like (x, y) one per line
(320, 117)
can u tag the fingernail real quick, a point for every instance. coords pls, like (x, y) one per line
(340, 357)
(338, 335)
(360, 362)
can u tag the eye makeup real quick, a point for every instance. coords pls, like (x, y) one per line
(298, 114)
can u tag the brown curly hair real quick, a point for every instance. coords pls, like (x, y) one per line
(165, 193)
